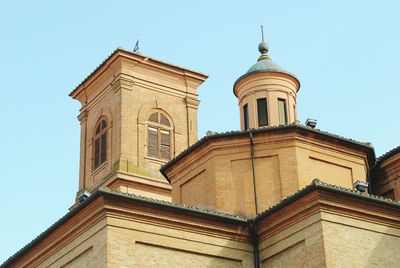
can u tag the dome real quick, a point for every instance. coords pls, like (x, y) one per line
(264, 64)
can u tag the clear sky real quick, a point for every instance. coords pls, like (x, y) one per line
(345, 53)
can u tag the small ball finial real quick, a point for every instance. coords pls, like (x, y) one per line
(263, 48)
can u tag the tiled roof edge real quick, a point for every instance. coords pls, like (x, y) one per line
(317, 184)
(388, 154)
(106, 191)
(257, 130)
(264, 71)
(207, 212)
(136, 53)
(55, 225)
(94, 71)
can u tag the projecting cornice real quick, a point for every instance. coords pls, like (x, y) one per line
(139, 59)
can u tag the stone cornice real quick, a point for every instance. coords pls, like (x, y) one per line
(83, 116)
(316, 198)
(121, 53)
(319, 197)
(122, 81)
(105, 203)
(57, 236)
(283, 136)
(173, 218)
(192, 102)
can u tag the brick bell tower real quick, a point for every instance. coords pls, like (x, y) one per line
(137, 113)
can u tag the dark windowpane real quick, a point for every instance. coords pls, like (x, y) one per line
(97, 161)
(262, 112)
(104, 141)
(97, 146)
(100, 144)
(103, 124)
(245, 117)
(103, 157)
(154, 118)
(164, 120)
(103, 148)
(282, 112)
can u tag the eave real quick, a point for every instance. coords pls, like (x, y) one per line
(120, 52)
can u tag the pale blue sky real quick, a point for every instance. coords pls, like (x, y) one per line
(345, 53)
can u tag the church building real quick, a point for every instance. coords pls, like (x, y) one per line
(276, 193)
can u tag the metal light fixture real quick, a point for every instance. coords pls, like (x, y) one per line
(311, 122)
(360, 186)
(82, 196)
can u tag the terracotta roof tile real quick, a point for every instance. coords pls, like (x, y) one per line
(388, 154)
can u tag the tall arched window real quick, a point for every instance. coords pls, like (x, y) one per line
(100, 144)
(159, 136)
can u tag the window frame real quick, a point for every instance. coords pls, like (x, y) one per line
(160, 129)
(285, 112)
(260, 112)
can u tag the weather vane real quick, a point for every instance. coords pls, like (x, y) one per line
(136, 48)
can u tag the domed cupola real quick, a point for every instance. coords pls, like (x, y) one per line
(266, 93)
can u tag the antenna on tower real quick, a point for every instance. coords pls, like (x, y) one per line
(136, 48)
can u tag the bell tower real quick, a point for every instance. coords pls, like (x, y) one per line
(136, 114)
(266, 93)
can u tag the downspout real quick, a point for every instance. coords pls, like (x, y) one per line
(254, 241)
(369, 175)
(253, 170)
(187, 112)
(84, 155)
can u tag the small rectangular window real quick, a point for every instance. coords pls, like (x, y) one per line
(245, 117)
(262, 112)
(282, 112)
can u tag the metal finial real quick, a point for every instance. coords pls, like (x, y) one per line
(263, 46)
(262, 33)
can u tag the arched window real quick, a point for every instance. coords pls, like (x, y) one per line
(159, 136)
(100, 144)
